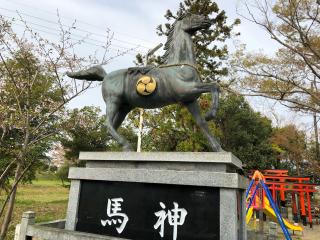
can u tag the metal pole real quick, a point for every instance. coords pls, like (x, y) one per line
(276, 211)
(140, 129)
(261, 222)
(150, 52)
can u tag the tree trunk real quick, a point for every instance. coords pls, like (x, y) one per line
(315, 124)
(17, 177)
(6, 171)
(316, 136)
(8, 215)
(298, 171)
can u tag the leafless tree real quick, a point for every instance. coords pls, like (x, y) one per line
(292, 75)
(34, 93)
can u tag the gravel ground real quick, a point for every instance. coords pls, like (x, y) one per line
(311, 234)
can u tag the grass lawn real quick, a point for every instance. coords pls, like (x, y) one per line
(45, 196)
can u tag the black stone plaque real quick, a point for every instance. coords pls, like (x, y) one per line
(140, 203)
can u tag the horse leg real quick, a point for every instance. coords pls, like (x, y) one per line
(205, 87)
(120, 116)
(214, 107)
(215, 91)
(194, 109)
(113, 121)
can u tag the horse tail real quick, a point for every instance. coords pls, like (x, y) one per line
(95, 73)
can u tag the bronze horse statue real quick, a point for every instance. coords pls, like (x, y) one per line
(177, 81)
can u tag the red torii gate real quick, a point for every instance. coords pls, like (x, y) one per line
(274, 172)
(278, 180)
(300, 188)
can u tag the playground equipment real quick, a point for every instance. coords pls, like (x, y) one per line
(266, 202)
(270, 212)
(299, 188)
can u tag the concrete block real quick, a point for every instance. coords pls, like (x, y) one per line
(273, 231)
(228, 214)
(28, 218)
(17, 232)
(73, 205)
(196, 178)
(223, 161)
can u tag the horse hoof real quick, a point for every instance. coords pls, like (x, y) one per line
(217, 149)
(209, 117)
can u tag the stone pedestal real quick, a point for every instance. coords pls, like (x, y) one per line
(204, 188)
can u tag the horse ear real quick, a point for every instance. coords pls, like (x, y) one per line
(187, 14)
(181, 15)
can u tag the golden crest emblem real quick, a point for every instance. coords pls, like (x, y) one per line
(146, 85)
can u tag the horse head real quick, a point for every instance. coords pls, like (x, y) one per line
(191, 23)
(179, 47)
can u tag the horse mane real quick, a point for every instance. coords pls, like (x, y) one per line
(169, 42)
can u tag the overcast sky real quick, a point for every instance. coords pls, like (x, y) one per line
(133, 23)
